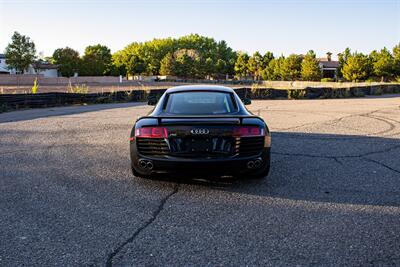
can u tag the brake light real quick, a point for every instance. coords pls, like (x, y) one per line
(248, 131)
(152, 132)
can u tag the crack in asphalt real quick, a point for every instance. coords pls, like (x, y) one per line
(392, 261)
(304, 155)
(336, 158)
(382, 164)
(338, 161)
(154, 216)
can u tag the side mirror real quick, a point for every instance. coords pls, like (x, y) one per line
(152, 101)
(247, 101)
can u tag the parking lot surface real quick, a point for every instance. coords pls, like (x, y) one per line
(67, 195)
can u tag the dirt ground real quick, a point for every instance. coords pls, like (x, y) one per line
(94, 88)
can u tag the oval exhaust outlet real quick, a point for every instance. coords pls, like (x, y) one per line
(250, 164)
(149, 165)
(142, 164)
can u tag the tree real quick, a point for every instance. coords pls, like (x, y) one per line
(152, 52)
(342, 60)
(291, 67)
(356, 67)
(208, 68)
(273, 71)
(310, 69)
(221, 67)
(268, 56)
(20, 53)
(96, 61)
(186, 63)
(167, 65)
(255, 65)
(212, 58)
(382, 64)
(118, 66)
(136, 65)
(225, 59)
(396, 59)
(68, 61)
(241, 69)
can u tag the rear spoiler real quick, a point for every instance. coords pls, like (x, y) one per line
(201, 119)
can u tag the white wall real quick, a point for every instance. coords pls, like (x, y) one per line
(3, 64)
(46, 72)
(49, 73)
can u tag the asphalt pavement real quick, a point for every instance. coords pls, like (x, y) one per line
(68, 198)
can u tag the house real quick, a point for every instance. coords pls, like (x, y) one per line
(44, 68)
(38, 67)
(328, 66)
(3, 65)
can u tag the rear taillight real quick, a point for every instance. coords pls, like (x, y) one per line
(152, 132)
(244, 131)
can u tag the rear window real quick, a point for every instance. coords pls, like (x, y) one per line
(200, 103)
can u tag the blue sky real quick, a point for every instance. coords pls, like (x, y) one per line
(285, 26)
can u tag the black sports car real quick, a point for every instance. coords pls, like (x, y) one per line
(200, 129)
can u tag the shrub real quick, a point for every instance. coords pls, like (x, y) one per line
(35, 86)
(78, 89)
(296, 93)
(373, 80)
(261, 93)
(327, 80)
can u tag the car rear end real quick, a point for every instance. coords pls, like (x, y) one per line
(228, 146)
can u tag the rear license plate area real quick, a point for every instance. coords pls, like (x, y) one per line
(195, 146)
(200, 145)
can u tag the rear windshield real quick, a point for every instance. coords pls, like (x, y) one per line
(200, 103)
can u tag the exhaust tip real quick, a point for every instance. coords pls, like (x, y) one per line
(257, 163)
(142, 164)
(149, 165)
(145, 164)
(250, 164)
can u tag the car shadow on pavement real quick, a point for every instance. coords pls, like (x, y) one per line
(348, 169)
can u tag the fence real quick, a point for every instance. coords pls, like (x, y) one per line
(27, 79)
(16, 101)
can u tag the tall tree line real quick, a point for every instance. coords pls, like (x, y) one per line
(199, 57)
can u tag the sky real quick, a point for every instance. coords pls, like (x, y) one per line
(283, 27)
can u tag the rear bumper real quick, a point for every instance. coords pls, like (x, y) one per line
(228, 166)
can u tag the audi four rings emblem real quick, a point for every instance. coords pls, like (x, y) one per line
(200, 131)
